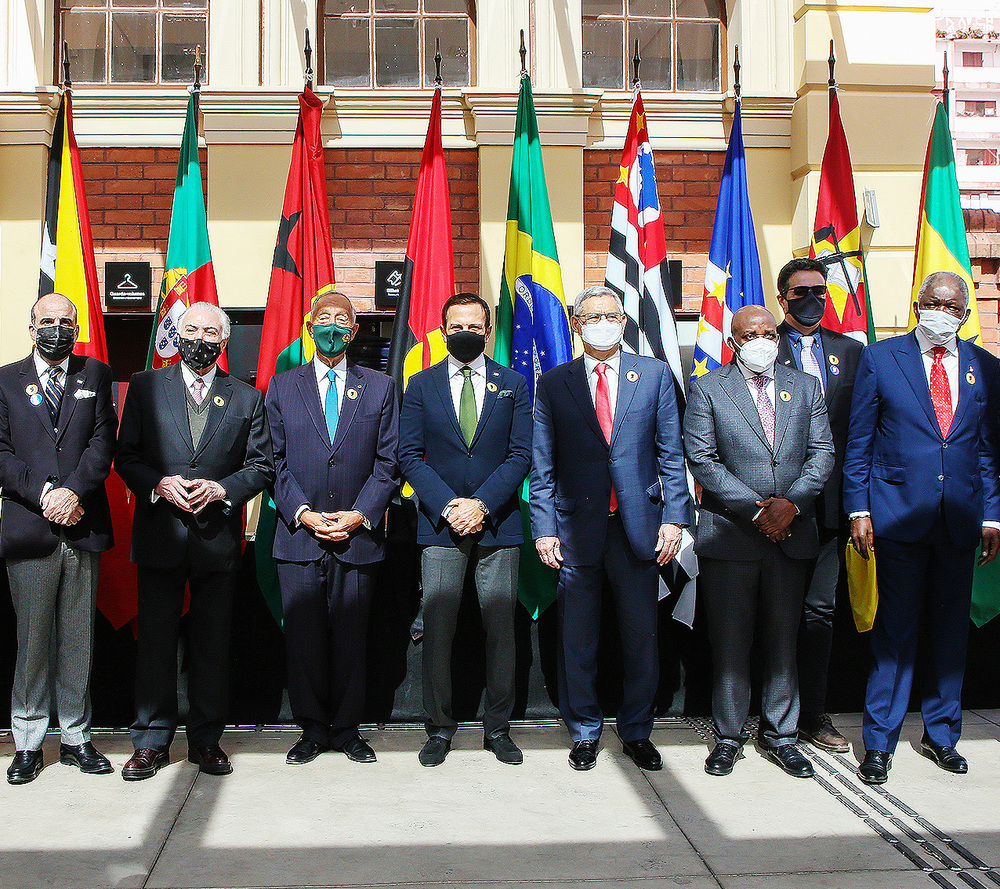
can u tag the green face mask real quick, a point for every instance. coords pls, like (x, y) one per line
(331, 339)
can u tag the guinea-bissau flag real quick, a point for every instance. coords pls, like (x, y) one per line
(429, 268)
(302, 269)
(532, 328)
(188, 276)
(836, 240)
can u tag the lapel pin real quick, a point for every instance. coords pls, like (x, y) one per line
(218, 401)
(971, 378)
(834, 369)
(351, 393)
(35, 399)
(492, 387)
(834, 360)
(30, 389)
(631, 376)
(785, 395)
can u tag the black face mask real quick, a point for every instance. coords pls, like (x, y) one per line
(466, 345)
(198, 354)
(807, 310)
(55, 342)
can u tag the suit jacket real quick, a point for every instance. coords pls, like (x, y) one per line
(730, 456)
(154, 440)
(77, 456)
(357, 470)
(899, 468)
(440, 466)
(573, 467)
(841, 354)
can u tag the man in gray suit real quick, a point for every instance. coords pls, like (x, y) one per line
(758, 441)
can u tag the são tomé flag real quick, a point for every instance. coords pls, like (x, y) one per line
(532, 329)
(188, 276)
(301, 270)
(429, 269)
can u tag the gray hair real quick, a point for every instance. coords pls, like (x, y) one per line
(936, 278)
(329, 293)
(593, 293)
(222, 316)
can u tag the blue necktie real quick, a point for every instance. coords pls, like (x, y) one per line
(332, 406)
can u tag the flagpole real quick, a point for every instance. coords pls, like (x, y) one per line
(736, 73)
(946, 92)
(309, 68)
(196, 89)
(437, 64)
(636, 61)
(832, 82)
(67, 83)
(523, 52)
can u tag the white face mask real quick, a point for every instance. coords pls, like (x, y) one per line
(758, 355)
(603, 335)
(939, 327)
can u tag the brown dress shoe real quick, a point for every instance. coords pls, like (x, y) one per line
(820, 732)
(144, 764)
(211, 760)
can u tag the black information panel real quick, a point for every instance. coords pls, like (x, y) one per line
(127, 286)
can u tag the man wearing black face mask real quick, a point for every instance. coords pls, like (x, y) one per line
(465, 447)
(194, 448)
(833, 359)
(57, 438)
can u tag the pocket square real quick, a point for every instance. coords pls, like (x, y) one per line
(84, 393)
(505, 393)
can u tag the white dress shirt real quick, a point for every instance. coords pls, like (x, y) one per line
(43, 369)
(190, 376)
(614, 364)
(457, 379)
(323, 381)
(949, 360)
(748, 375)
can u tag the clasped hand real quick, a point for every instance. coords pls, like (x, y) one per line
(332, 526)
(465, 516)
(776, 515)
(190, 495)
(62, 506)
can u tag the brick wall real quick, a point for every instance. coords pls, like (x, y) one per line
(984, 251)
(688, 184)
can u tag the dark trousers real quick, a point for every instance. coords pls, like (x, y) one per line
(208, 623)
(634, 585)
(816, 630)
(443, 570)
(326, 605)
(928, 580)
(741, 596)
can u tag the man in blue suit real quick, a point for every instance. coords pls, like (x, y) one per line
(465, 447)
(920, 480)
(609, 498)
(334, 429)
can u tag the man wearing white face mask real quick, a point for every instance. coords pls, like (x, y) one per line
(920, 480)
(758, 441)
(608, 500)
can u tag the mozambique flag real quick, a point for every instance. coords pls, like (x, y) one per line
(189, 276)
(532, 330)
(301, 270)
(429, 270)
(836, 239)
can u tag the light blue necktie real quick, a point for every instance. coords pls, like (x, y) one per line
(332, 406)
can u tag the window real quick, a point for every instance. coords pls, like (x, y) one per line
(680, 44)
(981, 157)
(391, 43)
(979, 109)
(972, 60)
(134, 41)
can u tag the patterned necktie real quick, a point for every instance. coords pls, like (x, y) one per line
(467, 407)
(198, 387)
(54, 392)
(809, 363)
(764, 407)
(941, 392)
(604, 417)
(332, 405)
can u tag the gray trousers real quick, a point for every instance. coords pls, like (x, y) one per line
(741, 597)
(443, 571)
(54, 599)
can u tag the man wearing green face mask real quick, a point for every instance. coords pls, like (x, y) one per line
(334, 427)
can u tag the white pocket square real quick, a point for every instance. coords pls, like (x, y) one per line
(505, 393)
(84, 393)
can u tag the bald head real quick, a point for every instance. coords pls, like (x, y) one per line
(333, 304)
(53, 308)
(753, 318)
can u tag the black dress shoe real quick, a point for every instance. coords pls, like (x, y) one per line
(790, 759)
(27, 766)
(722, 759)
(144, 764)
(357, 749)
(211, 760)
(947, 758)
(304, 750)
(504, 749)
(434, 751)
(583, 756)
(874, 768)
(86, 757)
(643, 754)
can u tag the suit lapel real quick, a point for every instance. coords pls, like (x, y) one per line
(911, 363)
(784, 384)
(353, 394)
(441, 383)
(309, 390)
(735, 386)
(172, 383)
(968, 367)
(30, 381)
(74, 382)
(221, 391)
(626, 390)
(831, 350)
(493, 376)
(576, 381)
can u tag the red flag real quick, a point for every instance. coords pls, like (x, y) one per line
(836, 238)
(429, 271)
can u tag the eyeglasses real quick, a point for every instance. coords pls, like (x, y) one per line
(801, 290)
(594, 317)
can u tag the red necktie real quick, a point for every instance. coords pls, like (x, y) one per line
(604, 417)
(941, 392)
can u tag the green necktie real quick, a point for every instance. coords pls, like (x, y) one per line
(467, 407)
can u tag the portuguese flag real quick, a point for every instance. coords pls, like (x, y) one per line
(301, 270)
(532, 330)
(188, 277)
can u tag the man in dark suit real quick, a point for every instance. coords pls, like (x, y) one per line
(832, 359)
(57, 438)
(920, 479)
(609, 499)
(758, 441)
(465, 447)
(334, 430)
(193, 447)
